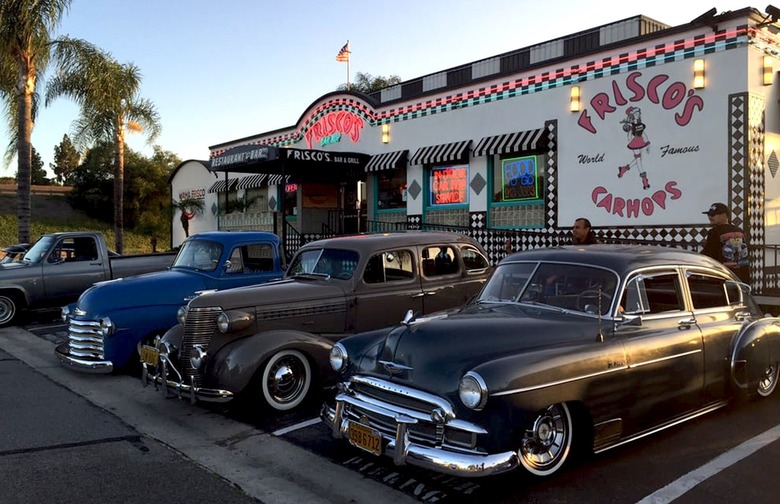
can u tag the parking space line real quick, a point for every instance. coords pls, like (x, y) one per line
(301, 425)
(680, 486)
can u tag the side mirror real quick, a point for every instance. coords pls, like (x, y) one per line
(629, 320)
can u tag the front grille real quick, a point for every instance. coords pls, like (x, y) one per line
(85, 340)
(198, 330)
(401, 400)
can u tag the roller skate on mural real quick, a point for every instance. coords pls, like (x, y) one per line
(637, 142)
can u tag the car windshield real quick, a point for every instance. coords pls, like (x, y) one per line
(334, 263)
(38, 251)
(201, 255)
(575, 287)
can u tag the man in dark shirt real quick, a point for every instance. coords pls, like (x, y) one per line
(582, 234)
(726, 242)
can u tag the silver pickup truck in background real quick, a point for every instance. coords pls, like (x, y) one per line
(60, 266)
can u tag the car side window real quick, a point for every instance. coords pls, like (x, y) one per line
(235, 263)
(709, 292)
(473, 260)
(258, 257)
(391, 266)
(650, 294)
(439, 260)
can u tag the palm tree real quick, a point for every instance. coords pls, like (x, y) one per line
(189, 207)
(108, 94)
(25, 45)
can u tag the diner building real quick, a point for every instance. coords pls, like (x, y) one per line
(636, 125)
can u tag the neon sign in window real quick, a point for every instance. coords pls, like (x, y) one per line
(519, 179)
(449, 185)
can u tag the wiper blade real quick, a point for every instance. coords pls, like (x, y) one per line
(312, 276)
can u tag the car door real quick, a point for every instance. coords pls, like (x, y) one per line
(720, 312)
(68, 270)
(663, 346)
(389, 287)
(248, 264)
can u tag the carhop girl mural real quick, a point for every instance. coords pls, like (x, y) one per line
(635, 129)
(669, 167)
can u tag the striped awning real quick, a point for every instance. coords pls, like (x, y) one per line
(277, 179)
(223, 186)
(509, 143)
(251, 181)
(387, 161)
(444, 153)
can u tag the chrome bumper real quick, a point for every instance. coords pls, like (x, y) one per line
(83, 364)
(179, 388)
(403, 451)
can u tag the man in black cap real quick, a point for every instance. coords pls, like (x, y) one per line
(726, 242)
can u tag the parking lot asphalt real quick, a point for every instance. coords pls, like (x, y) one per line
(73, 437)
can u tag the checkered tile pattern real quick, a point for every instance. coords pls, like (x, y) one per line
(754, 206)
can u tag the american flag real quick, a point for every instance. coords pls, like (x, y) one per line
(343, 54)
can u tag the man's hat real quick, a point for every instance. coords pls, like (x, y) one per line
(717, 208)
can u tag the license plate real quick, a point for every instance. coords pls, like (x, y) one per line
(149, 355)
(365, 438)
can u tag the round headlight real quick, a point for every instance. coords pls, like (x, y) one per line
(198, 356)
(472, 391)
(106, 326)
(338, 357)
(181, 315)
(64, 313)
(223, 322)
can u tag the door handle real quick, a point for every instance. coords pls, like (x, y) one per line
(686, 323)
(418, 295)
(741, 316)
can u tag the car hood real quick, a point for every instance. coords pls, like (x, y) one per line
(281, 292)
(158, 288)
(436, 351)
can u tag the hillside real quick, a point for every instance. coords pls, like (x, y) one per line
(51, 213)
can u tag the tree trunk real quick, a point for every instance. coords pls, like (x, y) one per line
(119, 183)
(25, 88)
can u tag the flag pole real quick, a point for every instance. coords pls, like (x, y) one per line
(348, 58)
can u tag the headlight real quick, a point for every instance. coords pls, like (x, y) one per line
(472, 391)
(64, 313)
(223, 322)
(106, 326)
(181, 315)
(338, 357)
(198, 356)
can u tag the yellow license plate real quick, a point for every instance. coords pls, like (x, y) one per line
(365, 438)
(149, 355)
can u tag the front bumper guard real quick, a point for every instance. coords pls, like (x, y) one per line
(83, 364)
(403, 451)
(178, 388)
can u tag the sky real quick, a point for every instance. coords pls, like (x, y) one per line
(222, 70)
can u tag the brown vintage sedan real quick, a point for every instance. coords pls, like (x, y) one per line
(565, 349)
(270, 343)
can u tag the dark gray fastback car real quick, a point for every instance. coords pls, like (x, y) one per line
(564, 349)
(270, 343)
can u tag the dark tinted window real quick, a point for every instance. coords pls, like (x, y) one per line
(707, 292)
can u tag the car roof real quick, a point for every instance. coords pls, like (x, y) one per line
(621, 258)
(231, 237)
(374, 241)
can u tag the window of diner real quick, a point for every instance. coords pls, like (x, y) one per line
(517, 191)
(448, 186)
(391, 189)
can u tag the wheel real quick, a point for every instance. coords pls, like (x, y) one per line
(592, 297)
(546, 444)
(286, 380)
(768, 383)
(9, 309)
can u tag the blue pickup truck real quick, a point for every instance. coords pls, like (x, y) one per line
(111, 320)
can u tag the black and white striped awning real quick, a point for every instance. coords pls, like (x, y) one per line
(387, 161)
(444, 153)
(508, 143)
(251, 181)
(277, 179)
(221, 185)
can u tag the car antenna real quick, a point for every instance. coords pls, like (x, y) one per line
(600, 334)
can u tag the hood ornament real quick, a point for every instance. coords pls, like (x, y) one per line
(393, 368)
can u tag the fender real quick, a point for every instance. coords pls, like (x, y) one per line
(235, 364)
(131, 329)
(757, 345)
(16, 289)
(174, 336)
